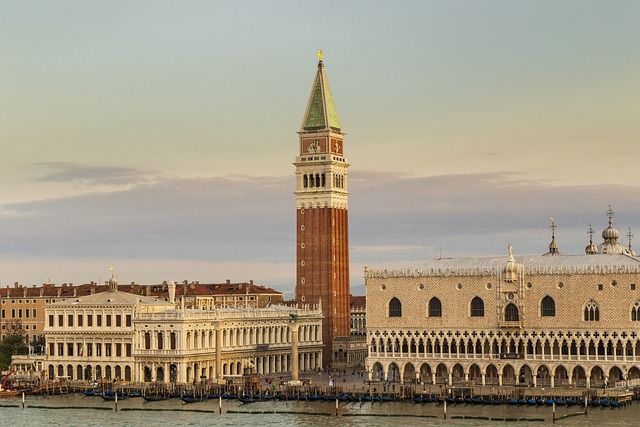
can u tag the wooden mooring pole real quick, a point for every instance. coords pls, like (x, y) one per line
(445, 408)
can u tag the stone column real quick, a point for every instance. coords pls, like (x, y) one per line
(500, 380)
(294, 351)
(433, 378)
(218, 351)
(484, 379)
(553, 381)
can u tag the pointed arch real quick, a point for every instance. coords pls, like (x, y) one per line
(477, 307)
(435, 307)
(591, 311)
(511, 313)
(635, 312)
(395, 307)
(547, 307)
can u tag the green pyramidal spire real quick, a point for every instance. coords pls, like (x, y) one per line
(321, 111)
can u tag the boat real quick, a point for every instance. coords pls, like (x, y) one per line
(135, 393)
(111, 395)
(5, 394)
(246, 399)
(155, 397)
(92, 393)
(190, 398)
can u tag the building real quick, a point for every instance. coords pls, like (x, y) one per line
(22, 307)
(358, 316)
(122, 335)
(322, 234)
(544, 320)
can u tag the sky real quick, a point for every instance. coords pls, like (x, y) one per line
(158, 136)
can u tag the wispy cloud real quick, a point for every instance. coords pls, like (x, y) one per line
(65, 172)
(229, 220)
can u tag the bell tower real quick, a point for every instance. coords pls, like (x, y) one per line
(322, 233)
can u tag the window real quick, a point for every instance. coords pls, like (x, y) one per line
(60, 320)
(395, 308)
(80, 320)
(13, 313)
(99, 320)
(50, 320)
(98, 349)
(173, 340)
(108, 320)
(89, 350)
(118, 320)
(118, 350)
(69, 349)
(51, 349)
(547, 307)
(477, 307)
(3, 313)
(70, 320)
(635, 312)
(128, 320)
(591, 312)
(27, 312)
(147, 341)
(33, 312)
(89, 320)
(511, 313)
(60, 349)
(633, 286)
(600, 287)
(435, 307)
(128, 349)
(20, 313)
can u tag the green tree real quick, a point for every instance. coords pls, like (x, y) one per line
(10, 345)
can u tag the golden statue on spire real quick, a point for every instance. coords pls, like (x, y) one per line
(319, 55)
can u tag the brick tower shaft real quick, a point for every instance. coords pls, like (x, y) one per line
(322, 218)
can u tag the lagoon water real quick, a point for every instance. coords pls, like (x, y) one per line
(355, 414)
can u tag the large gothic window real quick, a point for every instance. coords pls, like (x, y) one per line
(635, 311)
(435, 307)
(395, 308)
(547, 307)
(591, 311)
(477, 307)
(511, 313)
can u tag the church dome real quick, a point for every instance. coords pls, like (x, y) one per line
(591, 249)
(610, 233)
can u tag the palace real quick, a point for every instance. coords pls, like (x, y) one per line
(121, 335)
(548, 320)
(22, 307)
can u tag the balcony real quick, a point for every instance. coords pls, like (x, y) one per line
(509, 324)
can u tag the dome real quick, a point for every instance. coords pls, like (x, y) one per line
(610, 233)
(591, 249)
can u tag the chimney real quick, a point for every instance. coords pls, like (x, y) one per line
(228, 282)
(172, 292)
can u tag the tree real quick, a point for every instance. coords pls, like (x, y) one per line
(10, 345)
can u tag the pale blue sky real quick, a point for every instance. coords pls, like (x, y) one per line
(104, 101)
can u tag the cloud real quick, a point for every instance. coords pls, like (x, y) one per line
(65, 172)
(228, 221)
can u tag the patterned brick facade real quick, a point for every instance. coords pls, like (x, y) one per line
(535, 320)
